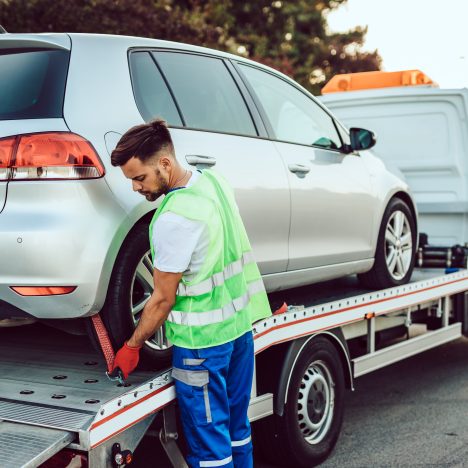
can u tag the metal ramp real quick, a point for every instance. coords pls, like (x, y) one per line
(24, 446)
(52, 389)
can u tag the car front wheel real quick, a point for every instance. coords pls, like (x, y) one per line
(396, 247)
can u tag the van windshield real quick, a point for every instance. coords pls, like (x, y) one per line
(32, 83)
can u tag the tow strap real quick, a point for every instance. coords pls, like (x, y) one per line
(104, 341)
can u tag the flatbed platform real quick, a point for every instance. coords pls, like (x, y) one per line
(58, 367)
(341, 288)
(55, 381)
(54, 384)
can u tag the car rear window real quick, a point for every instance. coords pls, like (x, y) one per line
(151, 92)
(32, 83)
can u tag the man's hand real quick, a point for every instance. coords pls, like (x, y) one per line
(127, 359)
(153, 316)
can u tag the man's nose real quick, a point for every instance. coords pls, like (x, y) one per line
(136, 186)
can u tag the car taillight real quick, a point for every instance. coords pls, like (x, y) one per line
(46, 156)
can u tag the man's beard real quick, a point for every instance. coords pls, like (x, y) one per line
(162, 190)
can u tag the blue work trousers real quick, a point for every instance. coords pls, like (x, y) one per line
(213, 388)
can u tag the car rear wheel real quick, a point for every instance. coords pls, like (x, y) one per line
(129, 290)
(396, 247)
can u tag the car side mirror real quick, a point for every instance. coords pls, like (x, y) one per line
(361, 139)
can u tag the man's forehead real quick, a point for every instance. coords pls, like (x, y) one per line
(134, 167)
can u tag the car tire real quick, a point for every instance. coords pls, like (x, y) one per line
(306, 434)
(396, 248)
(130, 287)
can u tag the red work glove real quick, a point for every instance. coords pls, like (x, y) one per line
(127, 359)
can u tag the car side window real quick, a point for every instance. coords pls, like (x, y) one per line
(206, 93)
(293, 115)
(152, 96)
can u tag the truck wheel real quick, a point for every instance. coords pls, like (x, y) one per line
(396, 247)
(130, 288)
(308, 430)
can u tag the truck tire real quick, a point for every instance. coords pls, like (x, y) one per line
(307, 432)
(396, 248)
(130, 287)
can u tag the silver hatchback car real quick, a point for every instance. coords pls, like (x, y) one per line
(73, 235)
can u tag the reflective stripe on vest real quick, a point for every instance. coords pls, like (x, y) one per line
(217, 315)
(217, 279)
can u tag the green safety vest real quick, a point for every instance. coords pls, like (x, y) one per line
(227, 295)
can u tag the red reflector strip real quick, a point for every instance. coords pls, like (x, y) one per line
(43, 290)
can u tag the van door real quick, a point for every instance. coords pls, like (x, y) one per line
(421, 138)
(212, 127)
(331, 203)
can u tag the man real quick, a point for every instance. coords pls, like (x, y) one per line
(208, 291)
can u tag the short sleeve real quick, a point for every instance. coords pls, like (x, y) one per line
(175, 239)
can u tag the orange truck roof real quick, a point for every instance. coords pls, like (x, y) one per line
(376, 79)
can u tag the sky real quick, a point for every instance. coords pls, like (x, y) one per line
(429, 35)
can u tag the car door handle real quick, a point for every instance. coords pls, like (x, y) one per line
(299, 169)
(200, 160)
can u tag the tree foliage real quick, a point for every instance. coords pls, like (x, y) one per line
(290, 35)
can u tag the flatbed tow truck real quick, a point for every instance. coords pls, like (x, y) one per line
(54, 394)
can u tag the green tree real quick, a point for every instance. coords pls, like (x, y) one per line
(292, 36)
(162, 19)
(289, 35)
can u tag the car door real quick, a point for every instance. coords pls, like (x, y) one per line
(212, 127)
(332, 205)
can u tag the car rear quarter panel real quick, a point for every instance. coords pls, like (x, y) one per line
(57, 233)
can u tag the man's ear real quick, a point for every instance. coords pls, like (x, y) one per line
(165, 163)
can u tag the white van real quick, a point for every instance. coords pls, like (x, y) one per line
(422, 132)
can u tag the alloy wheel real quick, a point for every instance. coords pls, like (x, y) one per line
(398, 245)
(142, 287)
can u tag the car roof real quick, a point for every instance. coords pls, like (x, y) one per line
(136, 41)
(63, 39)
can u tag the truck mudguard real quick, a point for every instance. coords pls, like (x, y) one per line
(294, 350)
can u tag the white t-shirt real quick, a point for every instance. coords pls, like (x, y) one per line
(180, 244)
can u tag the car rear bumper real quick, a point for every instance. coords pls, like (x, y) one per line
(58, 233)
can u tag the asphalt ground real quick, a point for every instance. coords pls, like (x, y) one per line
(413, 413)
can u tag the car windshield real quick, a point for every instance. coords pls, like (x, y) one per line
(32, 83)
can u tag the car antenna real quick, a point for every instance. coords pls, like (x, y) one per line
(2, 30)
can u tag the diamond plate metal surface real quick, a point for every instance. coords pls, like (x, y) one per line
(43, 416)
(28, 446)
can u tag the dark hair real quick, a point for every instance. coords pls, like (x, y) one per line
(143, 142)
